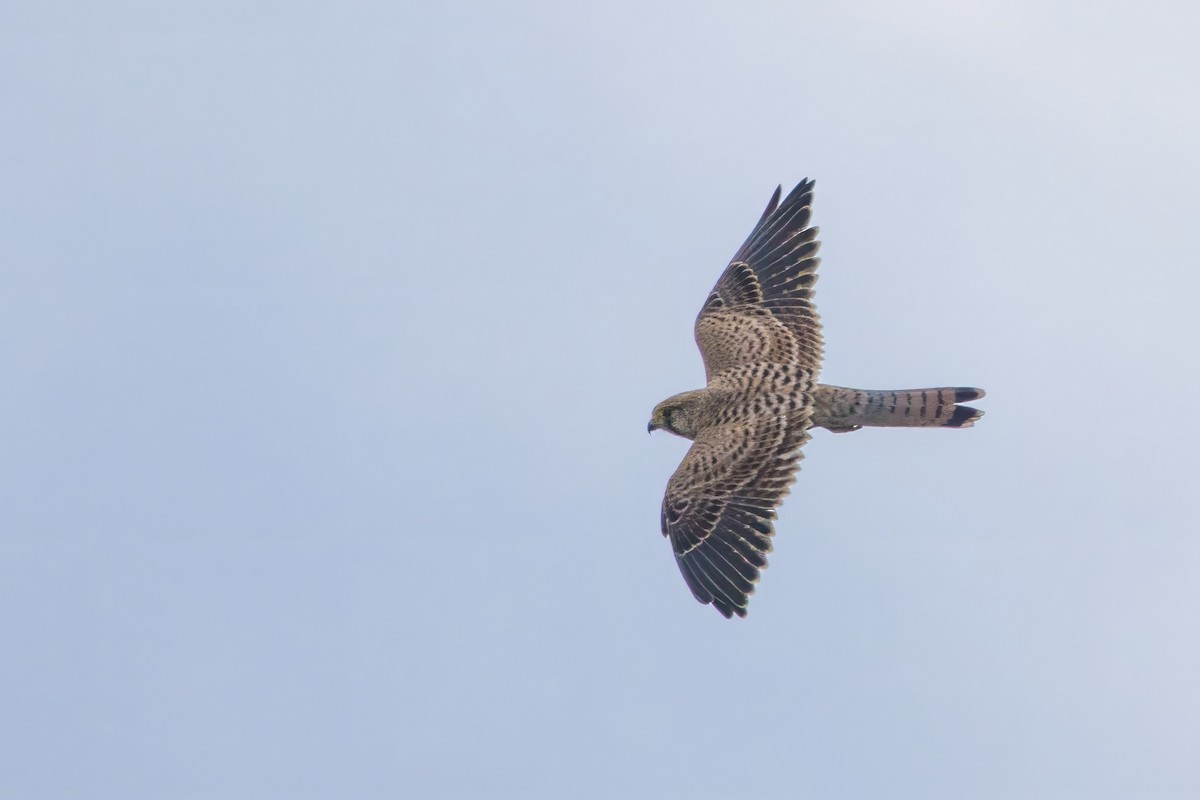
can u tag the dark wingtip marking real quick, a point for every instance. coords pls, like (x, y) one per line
(773, 204)
(727, 610)
(964, 393)
(802, 189)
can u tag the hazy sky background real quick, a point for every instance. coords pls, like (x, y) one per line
(329, 335)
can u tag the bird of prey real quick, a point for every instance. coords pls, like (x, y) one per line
(760, 338)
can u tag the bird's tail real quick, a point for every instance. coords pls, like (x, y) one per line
(840, 409)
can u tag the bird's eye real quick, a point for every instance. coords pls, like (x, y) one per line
(669, 417)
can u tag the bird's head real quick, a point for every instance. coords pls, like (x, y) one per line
(676, 414)
(660, 417)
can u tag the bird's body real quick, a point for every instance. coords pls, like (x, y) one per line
(760, 337)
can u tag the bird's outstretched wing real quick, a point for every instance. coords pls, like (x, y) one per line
(721, 501)
(762, 308)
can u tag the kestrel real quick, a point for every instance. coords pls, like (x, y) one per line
(760, 338)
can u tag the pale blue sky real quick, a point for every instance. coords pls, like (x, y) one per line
(330, 333)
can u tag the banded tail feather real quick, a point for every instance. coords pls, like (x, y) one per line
(840, 409)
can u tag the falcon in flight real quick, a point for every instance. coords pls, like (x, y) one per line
(760, 337)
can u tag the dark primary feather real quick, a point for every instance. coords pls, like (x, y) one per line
(778, 219)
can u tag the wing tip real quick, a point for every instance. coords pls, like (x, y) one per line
(802, 193)
(728, 610)
(803, 188)
(772, 204)
(706, 588)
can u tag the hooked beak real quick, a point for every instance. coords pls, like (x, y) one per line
(651, 427)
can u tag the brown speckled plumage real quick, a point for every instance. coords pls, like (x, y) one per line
(760, 337)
